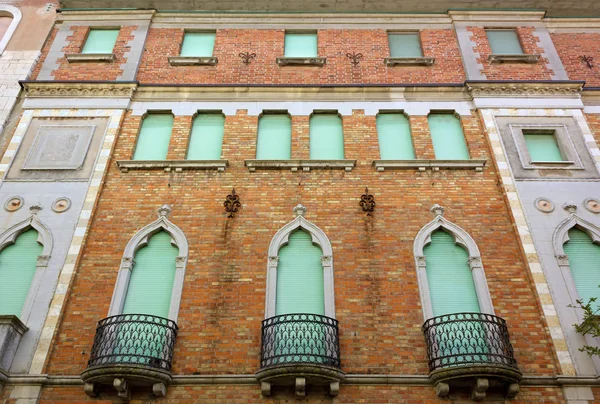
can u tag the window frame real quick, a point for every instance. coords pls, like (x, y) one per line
(186, 31)
(7, 10)
(566, 147)
(189, 142)
(271, 113)
(301, 60)
(462, 129)
(504, 29)
(139, 132)
(94, 28)
(416, 33)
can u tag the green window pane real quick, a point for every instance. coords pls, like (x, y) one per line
(17, 268)
(198, 44)
(584, 260)
(206, 140)
(274, 138)
(300, 277)
(151, 282)
(542, 147)
(504, 42)
(153, 140)
(447, 137)
(100, 41)
(405, 45)
(395, 142)
(326, 137)
(451, 285)
(300, 45)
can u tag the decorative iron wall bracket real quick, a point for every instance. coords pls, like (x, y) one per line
(232, 203)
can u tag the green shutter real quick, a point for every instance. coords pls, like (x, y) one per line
(326, 137)
(100, 41)
(584, 260)
(151, 282)
(300, 277)
(153, 140)
(198, 44)
(542, 147)
(447, 137)
(395, 142)
(451, 285)
(206, 140)
(17, 267)
(504, 42)
(405, 45)
(300, 45)
(274, 138)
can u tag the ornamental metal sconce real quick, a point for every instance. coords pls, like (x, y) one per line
(589, 60)
(247, 57)
(232, 203)
(367, 202)
(354, 58)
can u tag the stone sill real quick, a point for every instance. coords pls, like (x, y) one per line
(495, 58)
(295, 165)
(90, 57)
(193, 61)
(416, 61)
(434, 165)
(313, 61)
(553, 165)
(168, 165)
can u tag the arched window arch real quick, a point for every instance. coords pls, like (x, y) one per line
(8, 28)
(166, 238)
(25, 250)
(309, 237)
(450, 234)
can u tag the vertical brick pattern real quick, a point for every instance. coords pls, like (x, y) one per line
(570, 46)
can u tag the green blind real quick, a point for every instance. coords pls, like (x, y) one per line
(504, 42)
(151, 282)
(542, 147)
(274, 138)
(206, 140)
(153, 140)
(198, 44)
(395, 142)
(300, 45)
(300, 277)
(100, 41)
(447, 137)
(326, 137)
(405, 45)
(17, 268)
(451, 285)
(584, 260)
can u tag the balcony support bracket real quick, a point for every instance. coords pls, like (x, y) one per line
(91, 389)
(265, 388)
(120, 384)
(334, 388)
(300, 386)
(442, 389)
(479, 389)
(159, 389)
(513, 390)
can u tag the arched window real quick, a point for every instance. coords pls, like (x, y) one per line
(10, 17)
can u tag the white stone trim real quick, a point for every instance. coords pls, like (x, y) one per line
(16, 15)
(561, 234)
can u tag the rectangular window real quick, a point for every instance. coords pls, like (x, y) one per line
(100, 41)
(447, 137)
(326, 137)
(300, 45)
(153, 140)
(395, 142)
(274, 137)
(206, 140)
(542, 146)
(405, 45)
(504, 41)
(200, 44)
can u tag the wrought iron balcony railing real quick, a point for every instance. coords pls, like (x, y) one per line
(300, 338)
(136, 339)
(468, 339)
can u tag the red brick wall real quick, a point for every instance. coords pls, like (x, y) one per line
(511, 71)
(44, 54)
(268, 45)
(572, 45)
(593, 121)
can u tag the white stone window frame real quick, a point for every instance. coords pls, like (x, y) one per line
(7, 10)
(281, 239)
(45, 239)
(462, 239)
(140, 240)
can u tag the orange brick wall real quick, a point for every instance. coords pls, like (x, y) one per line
(511, 71)
(593, 121)
(572, 45)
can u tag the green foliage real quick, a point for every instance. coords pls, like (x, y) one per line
(590, 325)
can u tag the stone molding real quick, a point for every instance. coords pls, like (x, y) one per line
(193, 61)
(90, 57)
(531, 59)
(561, 234)
(424, 164)
(310, 61)
(79, 90)
(524, 89)
(169, 165)
(418, 61)
(16, 15)
(296, 165)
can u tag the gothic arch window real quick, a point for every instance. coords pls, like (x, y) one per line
(300, 239)
(439, 239)
(10, 17)
(159, 253)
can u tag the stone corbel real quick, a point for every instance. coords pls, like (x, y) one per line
(300, 386)
(479, 389)
(122, 388)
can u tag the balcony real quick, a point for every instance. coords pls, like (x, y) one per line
(471, 350)
(300, 350)
(131, 350)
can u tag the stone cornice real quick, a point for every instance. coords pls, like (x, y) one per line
(570, 89)
(496, 16)
(103, 15)
(78, 89)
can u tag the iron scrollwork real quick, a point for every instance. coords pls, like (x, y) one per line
(589, 60)
(247, 57)
(232, 203)
(367, 202)
(354, 57)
